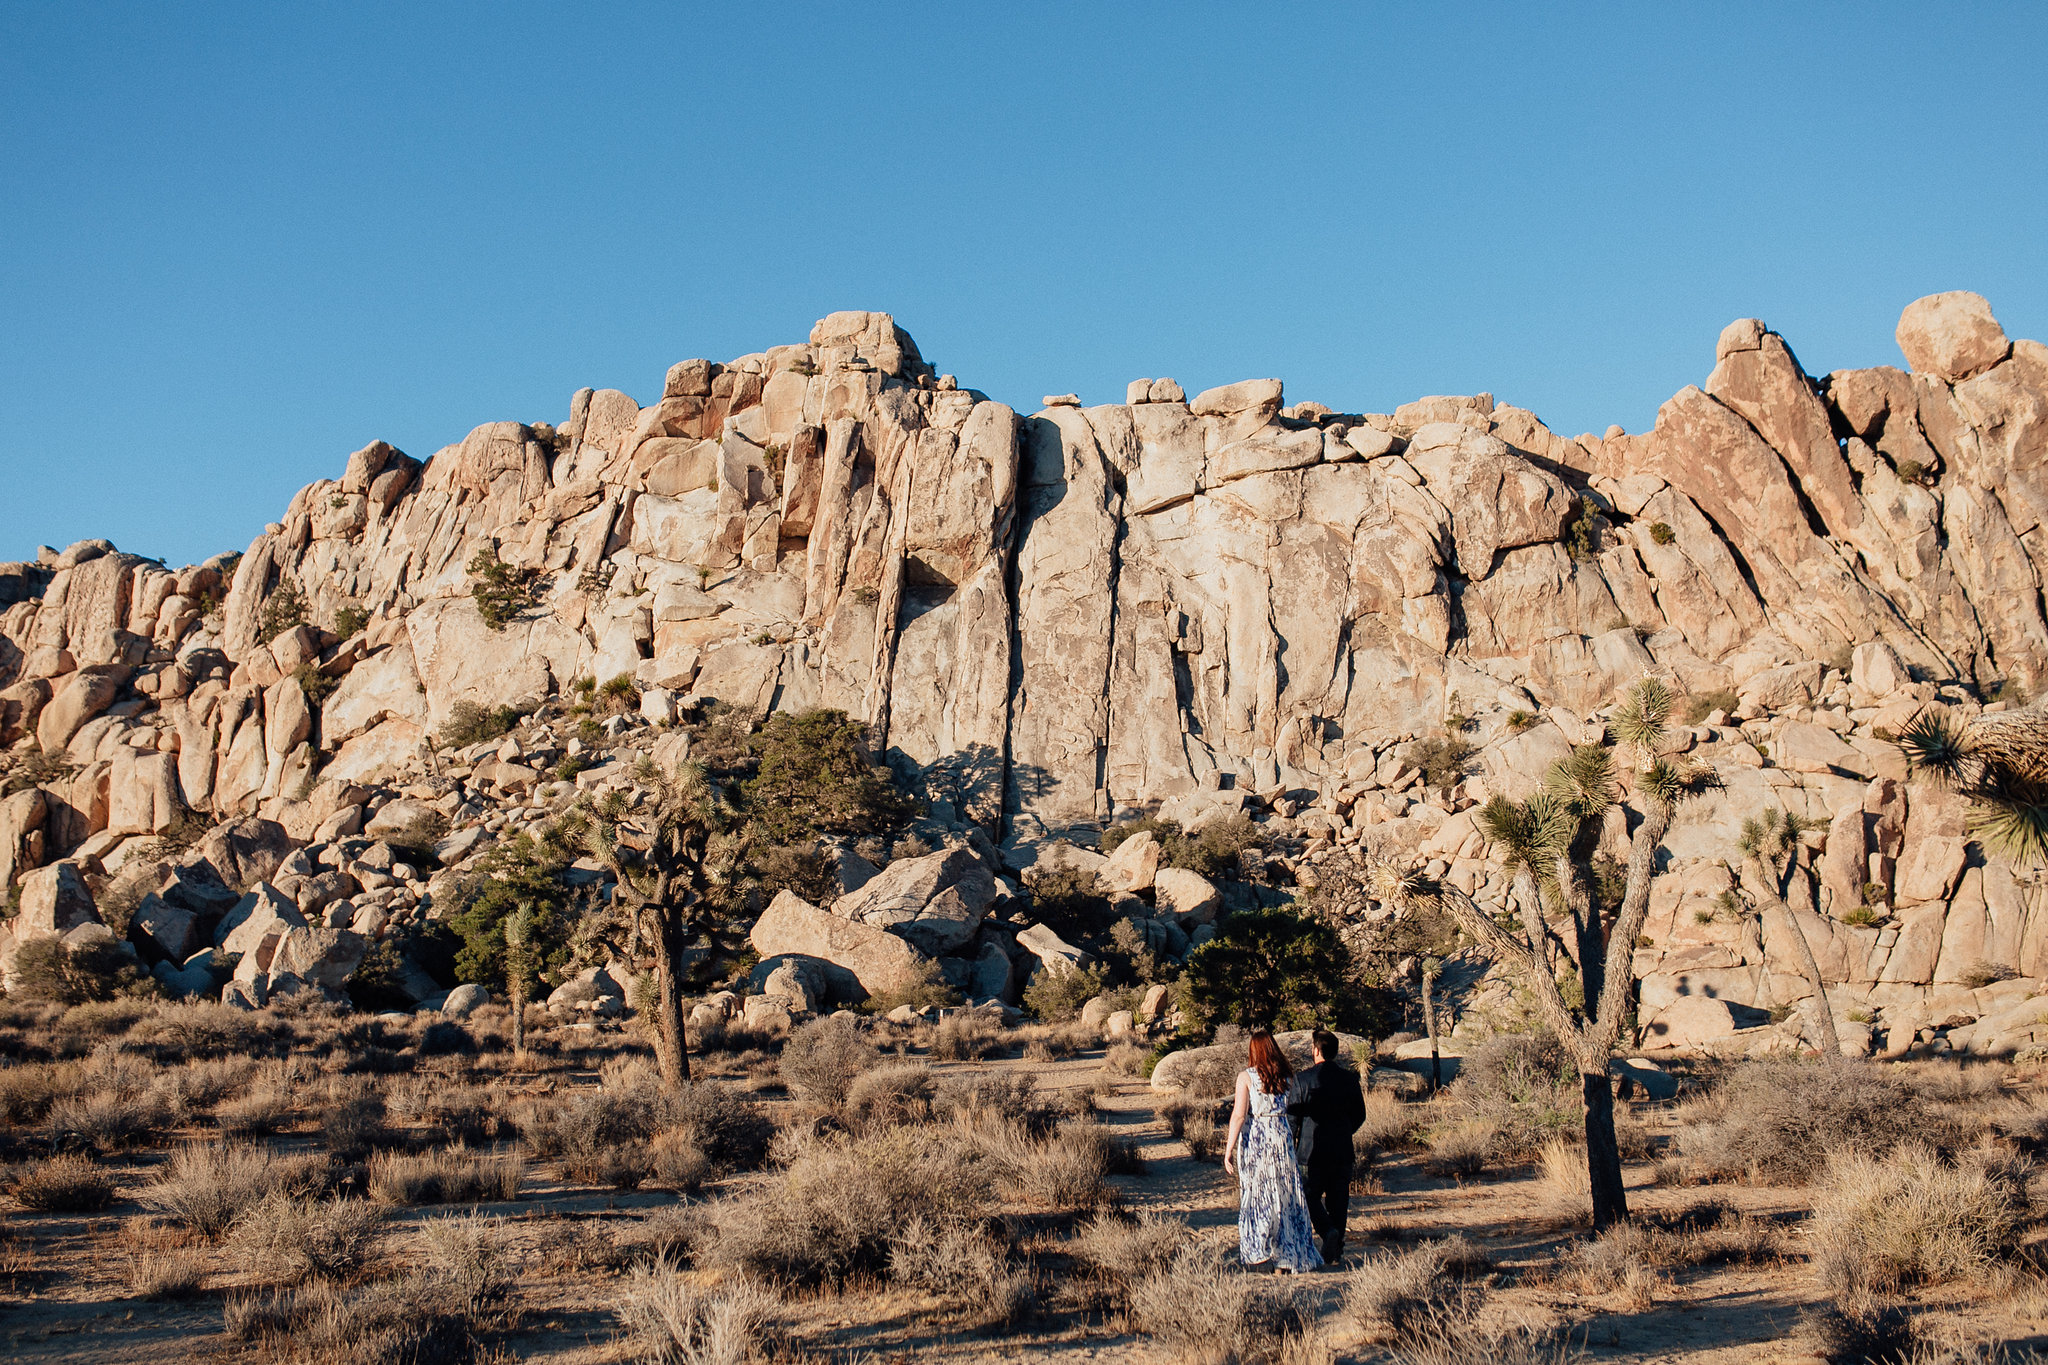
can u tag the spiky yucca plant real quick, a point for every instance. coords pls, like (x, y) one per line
(2000, 765)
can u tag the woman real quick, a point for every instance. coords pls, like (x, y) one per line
(1272, 1217)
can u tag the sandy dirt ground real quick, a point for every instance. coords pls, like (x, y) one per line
(65, 1295)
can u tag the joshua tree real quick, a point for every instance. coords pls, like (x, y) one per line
(1770, 846)
(2000, 765)
(519, 967)
(1543, 841)
(670, 853)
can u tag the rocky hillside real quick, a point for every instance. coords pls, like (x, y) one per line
(1165, 606)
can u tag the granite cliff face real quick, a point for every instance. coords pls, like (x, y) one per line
(1050, 621)
(1055, 618)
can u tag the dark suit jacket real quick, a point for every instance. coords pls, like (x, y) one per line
(1331, 1106)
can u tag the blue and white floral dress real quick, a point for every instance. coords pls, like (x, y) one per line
(1272, 1211)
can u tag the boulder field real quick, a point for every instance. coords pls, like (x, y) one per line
(1167, 606)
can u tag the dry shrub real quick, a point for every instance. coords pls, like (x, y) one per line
(821, 1059)
(962, 1263)
(165, 1273)
(1204, 1136)
(1776, 1121)
(65, 1184)
(456, 1113)
(630, 1107)
(843, 1202)
(997, 1099)
(1460, 1150)
(1180, 1109)
(111, 1119)
(1389, 1124)
(452, 1175)
(1205, 1310)
(892, 1094)
(624, 1167)
(28, 1089)
(967, 1037)
(1068, 1170)
(1627, 1260)
(1393, 1290)
(1567, 1183)
(1123, 1249)
(256, 1114)
(414, 1319)
(1454, 1335)
(672, 1321)
(352, 1121)
(465, 1253)
(286, 1240)
(675, 1160)
(202, 1084)
(208, 1186)
(1524, 1088)
(1884, 1222)
(1128, 1059)
(203, 1028)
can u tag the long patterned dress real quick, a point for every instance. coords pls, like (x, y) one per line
(1272, 1211)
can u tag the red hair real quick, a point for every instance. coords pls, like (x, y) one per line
(1270, 1062)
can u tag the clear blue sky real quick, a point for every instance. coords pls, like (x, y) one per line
(238, 241)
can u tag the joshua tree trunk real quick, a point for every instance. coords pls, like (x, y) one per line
(1436, 1066)
(1603, 1150)
(671, 940)
(1830, 1043)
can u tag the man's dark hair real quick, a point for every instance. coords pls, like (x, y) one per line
(1325, 1043)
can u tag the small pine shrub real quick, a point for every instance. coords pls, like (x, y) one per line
(285, 609)
(1661, 532)
(502, 592)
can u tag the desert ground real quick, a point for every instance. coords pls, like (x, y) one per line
(187, 1181)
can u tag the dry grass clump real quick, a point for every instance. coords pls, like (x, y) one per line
(352, 1120)
(118, 1103)
(28, 1089)
(1123, 1249)
(1775, 1121)
(1394, 1290)
(598, 1130)
(1524, 1088)
(1389, 1124)
(1454, 1335)
(64, 1184)
(1628, 1259)
(286, 1240)
(1567, 1183)
(452, 1175)
(1205, 1310)
(844, 1201)
(1460, 1150)
(997, 1099)
(1199, 1122)
(968, 1037)
(165, 1273)
(672, 1321)
(208, 1186)
(821, 1059)
(889, 1096)
(1068, 1170)
(1884, 1222)
(965, 1264)
(1128, 1059)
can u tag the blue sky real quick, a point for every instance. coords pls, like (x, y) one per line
(239, 241)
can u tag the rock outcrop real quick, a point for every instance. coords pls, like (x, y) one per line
(1200, 609)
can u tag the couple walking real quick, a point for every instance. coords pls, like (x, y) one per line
(1282, 1198)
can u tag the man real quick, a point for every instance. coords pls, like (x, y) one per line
(1331, 1107)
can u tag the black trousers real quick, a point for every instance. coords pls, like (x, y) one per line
(1328, 1185)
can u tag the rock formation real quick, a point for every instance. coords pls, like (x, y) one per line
(1049, 622)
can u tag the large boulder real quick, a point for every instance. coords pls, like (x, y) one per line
(243, 852)
(1189, 897)
(255, 926)
(1177, 1070)
(857, 960)
(1132, 865)
(1051, 950)
(166, 930)
(318, 956)
(1951, 336)
(936, 902)
(54, 901)
(1694, 1020)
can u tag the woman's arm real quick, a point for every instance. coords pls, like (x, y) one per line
(1240, 1111)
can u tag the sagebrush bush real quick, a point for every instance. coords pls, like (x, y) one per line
(452, 1175)
(1396, 1288)
(65, 1184)
(967, 1037)
(207, 1186)
(1881, 1223)
(286, 1240)
(1567, 1182)
(821, 1059)
(1124, 1249)
(842, 1202)
(1460, 1150)
(672, 1321)
(1777, 1121)
(1523, 1087)
(1203, 1308)
(1389, 1125)
(977, 1099)
(891, 1094)
(964, 1263)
